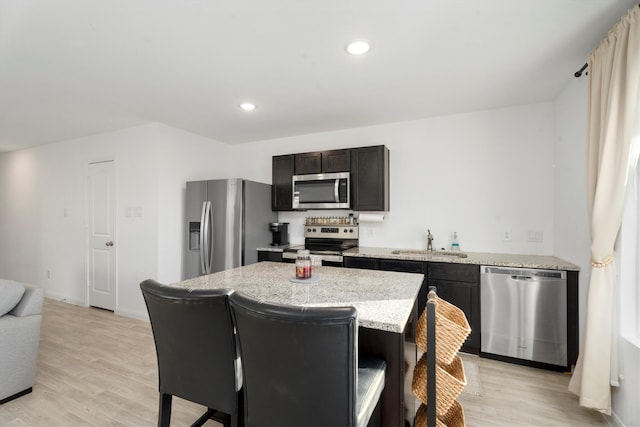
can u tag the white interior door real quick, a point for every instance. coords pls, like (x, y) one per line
(101, 229)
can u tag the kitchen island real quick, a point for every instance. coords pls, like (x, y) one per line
(386, 305)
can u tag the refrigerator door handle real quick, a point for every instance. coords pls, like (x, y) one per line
(203, 236)
(210, 237)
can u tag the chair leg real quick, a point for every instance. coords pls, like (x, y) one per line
(234, 420)
(204, 418)
(164, 412)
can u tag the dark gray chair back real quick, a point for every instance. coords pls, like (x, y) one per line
(195, 344)
(299, 364)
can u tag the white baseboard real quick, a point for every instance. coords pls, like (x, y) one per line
(614, 421)
(126, 313)
(64, 298)
(133, 314)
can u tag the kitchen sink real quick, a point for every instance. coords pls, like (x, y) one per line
(435, 255)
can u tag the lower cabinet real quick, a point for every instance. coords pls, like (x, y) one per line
(269, 256)
(458, 284)
(357, 262)
(407, 266)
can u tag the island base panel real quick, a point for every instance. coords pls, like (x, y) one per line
(399, 351)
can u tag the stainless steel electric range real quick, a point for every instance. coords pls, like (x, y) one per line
(325, 243)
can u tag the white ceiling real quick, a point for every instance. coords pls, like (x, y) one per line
(71, 68)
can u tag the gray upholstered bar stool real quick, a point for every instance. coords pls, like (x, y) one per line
(196, 348)
(301, 367)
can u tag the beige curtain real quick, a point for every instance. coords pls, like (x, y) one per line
(614, 81)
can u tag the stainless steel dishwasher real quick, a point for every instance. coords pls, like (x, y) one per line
(524, 314)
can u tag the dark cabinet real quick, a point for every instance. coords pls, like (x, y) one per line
(573, 321)
(370, 178)
(459, 284)
(269, 256)
(322, 162)
(306, 163)
(281, 185)
(369, 167)
(404, 266)
(336, 161)
(357, 262)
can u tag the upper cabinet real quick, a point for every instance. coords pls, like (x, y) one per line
(281, 186)
(370, 178)
(369, 167)
(336, 161)
(322, 162)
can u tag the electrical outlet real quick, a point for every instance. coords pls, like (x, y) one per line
(506, 236)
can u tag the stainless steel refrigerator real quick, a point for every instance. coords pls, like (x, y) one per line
(227, 220)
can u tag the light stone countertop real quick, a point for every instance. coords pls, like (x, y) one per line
(273, 248)
(384, 299)
(479, 258)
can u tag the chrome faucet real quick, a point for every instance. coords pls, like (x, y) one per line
(429, 240)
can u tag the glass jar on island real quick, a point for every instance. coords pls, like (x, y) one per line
(303, 264)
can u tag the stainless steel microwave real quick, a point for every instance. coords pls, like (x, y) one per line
(321, 191)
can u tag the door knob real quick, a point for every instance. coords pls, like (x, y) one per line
(109, 244)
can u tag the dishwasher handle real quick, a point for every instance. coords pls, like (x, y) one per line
(523, 278)
(524, 274)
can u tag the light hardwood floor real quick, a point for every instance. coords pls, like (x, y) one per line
(99, 369)
(514, 395)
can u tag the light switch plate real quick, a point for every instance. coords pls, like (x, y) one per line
(536, 236)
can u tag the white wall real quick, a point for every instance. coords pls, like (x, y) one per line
(38, 185)
(624, 399)
(572, 239)
(182, 157)
(478, 174)
(49, 223)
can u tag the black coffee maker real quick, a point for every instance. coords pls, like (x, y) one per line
(279, 233)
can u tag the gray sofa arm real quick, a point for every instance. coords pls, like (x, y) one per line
(31, 302)
(19, 339)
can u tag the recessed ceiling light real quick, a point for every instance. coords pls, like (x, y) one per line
(359, 47)
(248, 106)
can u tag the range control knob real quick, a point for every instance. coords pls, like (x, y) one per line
(351, 230)
(308, 230)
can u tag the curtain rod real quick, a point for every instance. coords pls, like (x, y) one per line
(584, 67)
(581, 70)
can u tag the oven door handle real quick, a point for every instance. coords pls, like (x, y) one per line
(336, 190)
